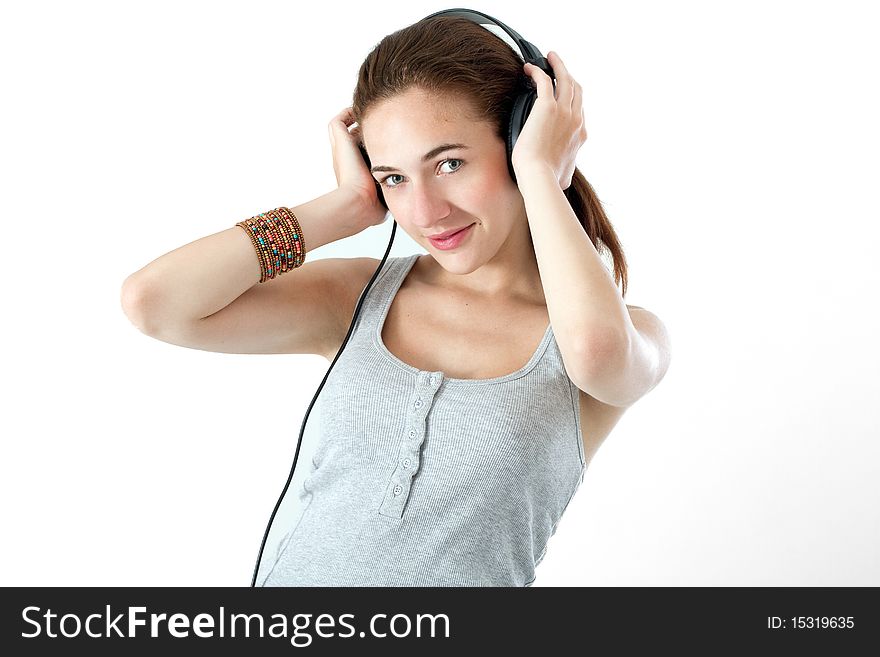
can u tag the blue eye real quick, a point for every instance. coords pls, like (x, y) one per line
(384, 181)
(454, 160)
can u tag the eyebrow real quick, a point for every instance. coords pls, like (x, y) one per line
(426, 157)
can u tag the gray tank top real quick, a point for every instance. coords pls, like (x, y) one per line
(419, 479)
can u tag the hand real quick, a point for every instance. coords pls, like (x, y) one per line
(350, 168)
(555, 129)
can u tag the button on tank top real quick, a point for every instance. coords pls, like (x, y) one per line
(419, 479)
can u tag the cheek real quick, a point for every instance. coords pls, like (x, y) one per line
(501, 194)
(495, 189)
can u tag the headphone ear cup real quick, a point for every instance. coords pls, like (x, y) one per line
(379, 193)
(522, 105)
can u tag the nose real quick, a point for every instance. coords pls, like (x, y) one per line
(428, 206)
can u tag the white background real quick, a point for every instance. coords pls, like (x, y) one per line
(734, 146)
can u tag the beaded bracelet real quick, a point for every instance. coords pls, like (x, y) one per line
(278, 241)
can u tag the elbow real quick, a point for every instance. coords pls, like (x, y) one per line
(604, 370)
(604, 352)
(134, 303)
(607, 351)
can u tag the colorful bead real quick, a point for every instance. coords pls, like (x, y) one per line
(277, 238)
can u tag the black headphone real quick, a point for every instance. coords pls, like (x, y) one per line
(522, 106)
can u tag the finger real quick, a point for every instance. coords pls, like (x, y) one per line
(337, 120)
(345, 117)
(577, 100)
(564, 81)
(343, 121)
(542, 81)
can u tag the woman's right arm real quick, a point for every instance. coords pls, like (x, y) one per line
(207, 295)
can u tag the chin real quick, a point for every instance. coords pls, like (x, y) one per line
(457, 263)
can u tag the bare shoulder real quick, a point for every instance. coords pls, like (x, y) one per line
(638, 310)
(354, 274)
(656, 339)
(645, 320)
(359, 270)
(598, 418)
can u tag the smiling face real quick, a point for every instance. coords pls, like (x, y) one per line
(430, 192)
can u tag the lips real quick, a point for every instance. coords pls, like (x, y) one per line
(454, 241)
(443, 236)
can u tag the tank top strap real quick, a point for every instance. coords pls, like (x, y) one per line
(383, 289)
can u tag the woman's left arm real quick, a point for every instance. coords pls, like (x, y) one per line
(614, 354)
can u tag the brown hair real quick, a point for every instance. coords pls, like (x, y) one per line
(453, 56)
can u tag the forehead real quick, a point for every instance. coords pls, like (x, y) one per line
(417, 118)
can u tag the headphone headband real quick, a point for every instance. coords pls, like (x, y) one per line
(529, 52)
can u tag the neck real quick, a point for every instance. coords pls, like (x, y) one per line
(511, 275)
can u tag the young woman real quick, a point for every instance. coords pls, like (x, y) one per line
(480, 377)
